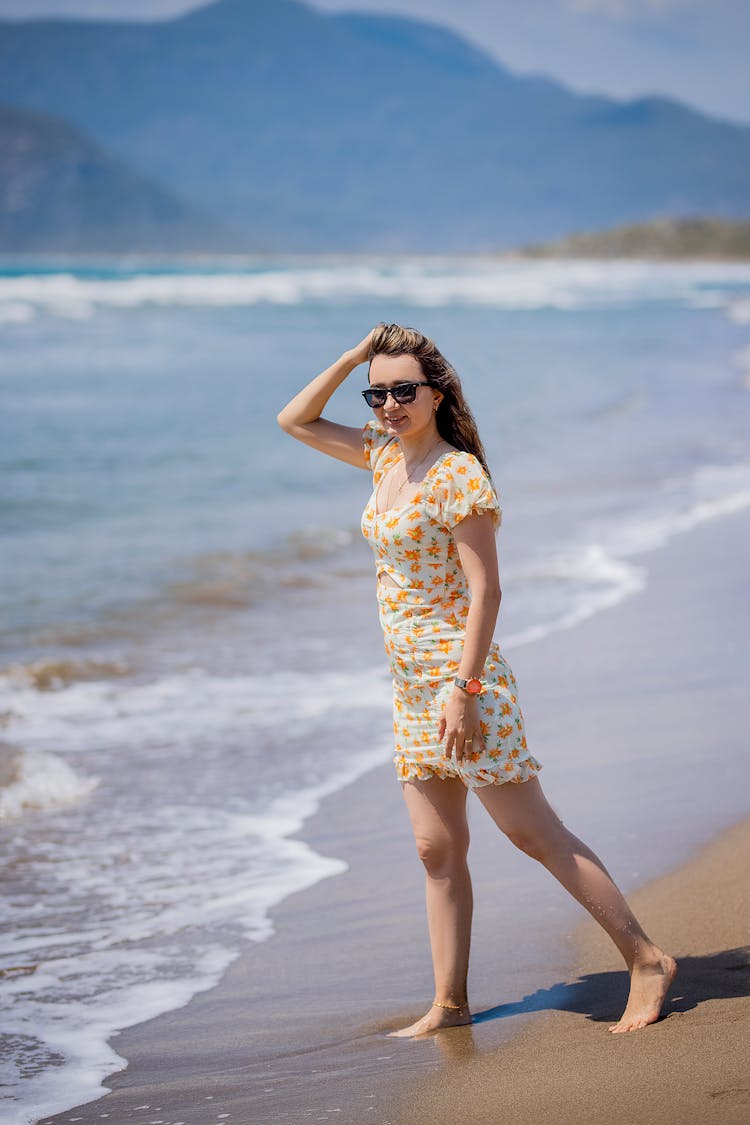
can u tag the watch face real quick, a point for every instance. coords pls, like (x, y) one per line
(474, 687)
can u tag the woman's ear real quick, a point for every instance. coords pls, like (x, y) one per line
(437, 399)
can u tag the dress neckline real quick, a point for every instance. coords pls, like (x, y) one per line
(402, 507)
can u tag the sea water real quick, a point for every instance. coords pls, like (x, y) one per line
(190, 658)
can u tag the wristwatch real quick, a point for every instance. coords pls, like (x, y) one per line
(471, 687)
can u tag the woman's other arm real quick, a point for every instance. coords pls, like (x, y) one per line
(477, 551)
(301, 418)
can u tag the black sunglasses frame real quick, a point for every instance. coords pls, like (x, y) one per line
(402, 393)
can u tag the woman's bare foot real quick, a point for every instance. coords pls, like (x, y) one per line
(435, 1020)
(649, 984)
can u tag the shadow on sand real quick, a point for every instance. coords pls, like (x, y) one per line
(601, 997)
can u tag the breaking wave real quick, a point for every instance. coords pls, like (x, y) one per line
(497, 283)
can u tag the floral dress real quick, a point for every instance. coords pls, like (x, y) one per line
(423, 600)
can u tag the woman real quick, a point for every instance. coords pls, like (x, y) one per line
(431, 521)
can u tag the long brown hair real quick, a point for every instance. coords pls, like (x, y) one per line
(455, 421)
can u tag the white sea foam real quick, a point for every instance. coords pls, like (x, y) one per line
(183, 709)
(16, 312)
(594, 580)
(739, 310)
(37, 781)
(151, 886)
(496, 283)
(597, 574)
(53, 1030)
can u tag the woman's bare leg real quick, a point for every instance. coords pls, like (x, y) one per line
(521, 811)
(438, 816)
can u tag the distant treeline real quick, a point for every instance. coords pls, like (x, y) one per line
(698, 237)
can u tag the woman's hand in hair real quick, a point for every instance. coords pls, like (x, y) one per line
(302, 417)
(361, 353)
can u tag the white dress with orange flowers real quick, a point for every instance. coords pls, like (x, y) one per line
(424, 599)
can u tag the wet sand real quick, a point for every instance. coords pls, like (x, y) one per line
(640, 716)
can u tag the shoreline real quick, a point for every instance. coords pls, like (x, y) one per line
(295, 1028)
(589, 251)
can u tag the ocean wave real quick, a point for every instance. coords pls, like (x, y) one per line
(54, 674)
(61, 1046)
(591, 575)
(35, 781)
(738, 310)
(102, 716)
(711, 492)
(560, 586)
(587, 580)
(499, 283)
(177, 858)
(16, 312)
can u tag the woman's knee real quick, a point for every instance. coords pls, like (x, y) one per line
(442, 855)
(526, 841)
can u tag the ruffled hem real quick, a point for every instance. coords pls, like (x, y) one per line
(474, 777)
(481, 508)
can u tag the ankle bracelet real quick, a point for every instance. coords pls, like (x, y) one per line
(450, 1007)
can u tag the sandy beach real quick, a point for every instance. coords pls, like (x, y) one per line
(295, 1031)
(691, 1066)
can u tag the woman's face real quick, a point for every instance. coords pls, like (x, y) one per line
(408, 418)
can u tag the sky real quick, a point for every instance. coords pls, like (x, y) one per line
(693, 50)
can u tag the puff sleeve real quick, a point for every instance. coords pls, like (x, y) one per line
(462, 489)
(374, 439)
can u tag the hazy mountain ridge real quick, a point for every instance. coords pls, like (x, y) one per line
(61, 192)
(355, 132)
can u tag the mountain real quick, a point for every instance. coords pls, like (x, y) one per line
(669, 239)
(338, 132)
(61, 192)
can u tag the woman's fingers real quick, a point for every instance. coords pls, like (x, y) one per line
(454, 744)
(478, 745)
(362, 351)
(463, 744)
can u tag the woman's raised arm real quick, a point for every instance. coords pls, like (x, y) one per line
(301, 418)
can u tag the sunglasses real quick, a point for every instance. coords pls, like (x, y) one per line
(402, 393)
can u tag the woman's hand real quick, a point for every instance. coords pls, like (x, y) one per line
(361, 353)
(302, 416)
(460, 727)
